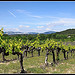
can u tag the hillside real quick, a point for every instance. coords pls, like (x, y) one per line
(49, 32)
(68, 31)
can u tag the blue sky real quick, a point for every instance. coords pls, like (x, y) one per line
(37, 16)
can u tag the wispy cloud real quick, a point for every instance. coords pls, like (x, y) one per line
(62, 21)
(47, 29)
(12, 29)
(33, 23)
(40, 26)
(21, 26)
(12, 14)
(3, 25)
(22, 11)
(58, 23)
(36, 30)
(61, 24)
(28, 13)
(54, 17)
(35, 16)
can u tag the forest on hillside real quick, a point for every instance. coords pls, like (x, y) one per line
(63, 35)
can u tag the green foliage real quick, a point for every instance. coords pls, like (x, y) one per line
(1, 37)
(68, 31)
(17, 43)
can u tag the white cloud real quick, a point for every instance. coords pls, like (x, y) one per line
(47, 28)
(40, 26)
(36, 30)
(67, 20)
(36, 16)
(23, 11)
(21, 26)
(57, 22)
(62, 21)
(12, 14)
(33, 23)
(54, 17)
(27, 13)
(20, 11)
(27, 26)
(16, 29)
(12, 29)
(2, 25)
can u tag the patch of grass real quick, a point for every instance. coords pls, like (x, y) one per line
(63, 67)
(36, 64)
(55, 72)
(36, 70)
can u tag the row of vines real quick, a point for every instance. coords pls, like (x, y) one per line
(21, 48)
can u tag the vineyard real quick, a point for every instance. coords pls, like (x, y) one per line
(49, 56)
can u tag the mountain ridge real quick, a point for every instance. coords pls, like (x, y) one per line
(12, 33)
(68, 31)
